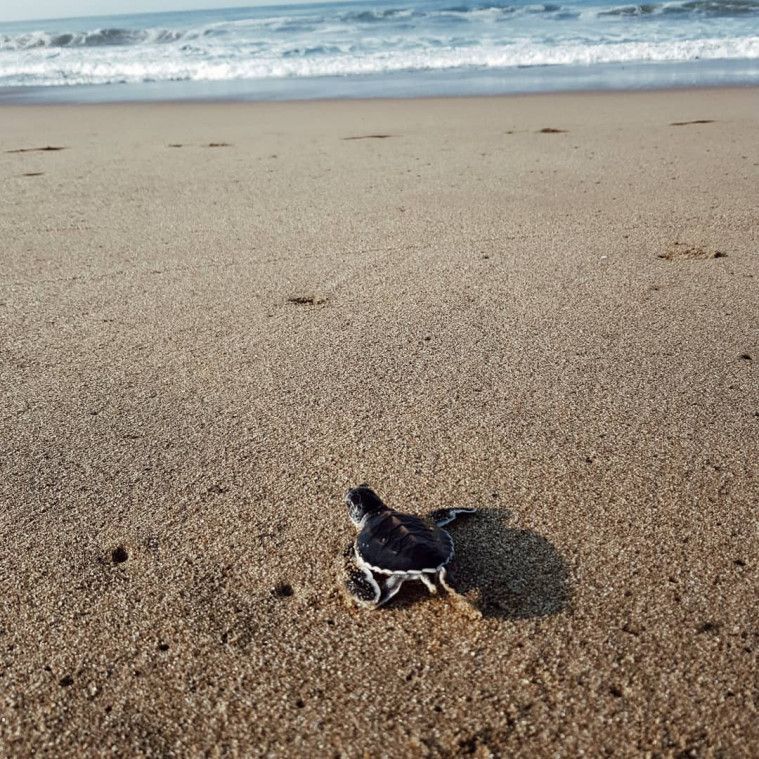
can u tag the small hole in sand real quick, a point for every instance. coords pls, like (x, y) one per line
(119, 555)
(283, 590)
(218, 145)
(616, 692)
(746, 357)
(163, 646)
(551, 130)
(66, 681)
(708, 627)
(300, 703)
(739, 562)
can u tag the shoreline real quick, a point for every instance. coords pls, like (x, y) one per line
(11, 102)
(616, 77)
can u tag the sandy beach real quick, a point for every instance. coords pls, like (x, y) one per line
(217, 317)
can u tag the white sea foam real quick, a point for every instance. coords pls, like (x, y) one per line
(79, 70)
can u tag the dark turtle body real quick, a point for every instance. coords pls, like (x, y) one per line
(392, 543)
(397, 547)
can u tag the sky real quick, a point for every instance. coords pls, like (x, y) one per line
(22, 10)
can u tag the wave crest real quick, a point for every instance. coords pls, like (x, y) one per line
(95, 38)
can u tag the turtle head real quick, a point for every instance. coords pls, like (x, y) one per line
(363, 502)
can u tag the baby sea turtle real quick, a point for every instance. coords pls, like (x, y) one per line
(392, 548)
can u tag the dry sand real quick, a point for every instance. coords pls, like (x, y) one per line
(202, 347)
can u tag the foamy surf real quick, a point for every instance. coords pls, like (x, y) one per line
(353, 40)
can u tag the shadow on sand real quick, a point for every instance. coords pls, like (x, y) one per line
(515, 573)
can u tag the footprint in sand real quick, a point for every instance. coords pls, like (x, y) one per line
(369, 137)
(45, 149)
(306, 300)
(688, 123)
(680, 251)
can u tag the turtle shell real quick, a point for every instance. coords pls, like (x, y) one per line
(391, 542)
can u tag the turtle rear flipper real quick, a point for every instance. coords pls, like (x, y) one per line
(460, 601)
(444, 578)
(391, 587)
(442, 517)
(359, 582)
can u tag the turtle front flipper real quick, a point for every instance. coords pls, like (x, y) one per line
(442, 517)
(359, 581)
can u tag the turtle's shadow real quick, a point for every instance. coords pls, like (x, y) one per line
(515, 573)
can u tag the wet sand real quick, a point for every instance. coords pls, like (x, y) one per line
(215, 318)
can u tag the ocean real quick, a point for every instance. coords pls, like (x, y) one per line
(360, 49)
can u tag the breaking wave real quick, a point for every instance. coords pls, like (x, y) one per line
(96, 38)
(299, 63)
